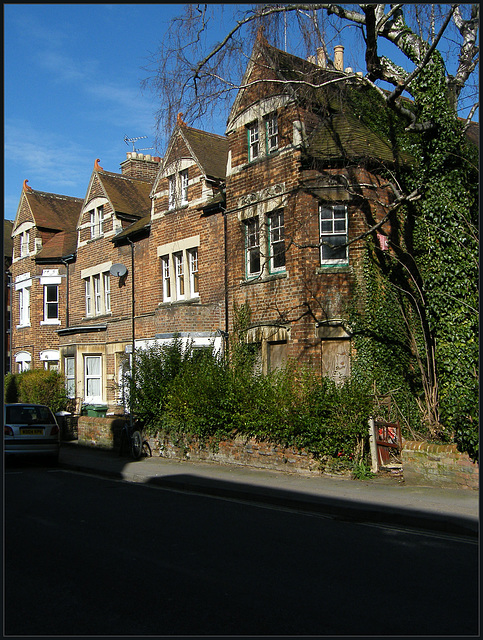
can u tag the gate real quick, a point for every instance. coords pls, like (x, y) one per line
(388, 440)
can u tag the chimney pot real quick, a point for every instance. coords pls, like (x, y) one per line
(339, 57)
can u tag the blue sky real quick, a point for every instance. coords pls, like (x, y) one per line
(72, 78)
(72, 75)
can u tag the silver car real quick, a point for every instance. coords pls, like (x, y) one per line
(31, 429)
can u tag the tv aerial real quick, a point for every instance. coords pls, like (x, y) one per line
(133, 140)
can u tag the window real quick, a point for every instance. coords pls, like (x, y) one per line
(252, 244)
(277, 241)
(271, 132)
(333, 234)
(51, 302)
(184, 186)
(97, 222)
(69, 374)
(253, 141)
(179, 275)
(88, 297)
(193, 271)
(92, 378)
(180, 269)
(98, 294)
(171, 192)
(166, 279)
(107, 292)
(23, 360)
(24, 306)
(24, 244)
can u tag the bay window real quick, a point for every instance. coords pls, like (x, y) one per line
(92, 379)
(277, 241)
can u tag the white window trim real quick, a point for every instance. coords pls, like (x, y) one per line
(166, 253)
(270, 118)
(335, 261)
(23, 284)
(96, 219)
(166, 277)
(69, 377)
(23, 360)
(253, 133)
(249, 249)
(46, 320)
(92, 398)
(184, 182)
(193, 273)
(89, 275)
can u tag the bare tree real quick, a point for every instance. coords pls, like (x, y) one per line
(422, 60)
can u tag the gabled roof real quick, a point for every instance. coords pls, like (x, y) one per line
(140, 226)
(52, 211)
(126, 194)
(61, 245)
(208, 150)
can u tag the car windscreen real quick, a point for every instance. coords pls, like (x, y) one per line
(29, 415)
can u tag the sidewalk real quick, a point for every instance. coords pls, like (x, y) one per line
(382, 501)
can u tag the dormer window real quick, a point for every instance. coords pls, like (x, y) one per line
(271, 132)
(97, 222)
(178, 189)
(24, 244)
(184, 186)
(253, 141)
(171, 191)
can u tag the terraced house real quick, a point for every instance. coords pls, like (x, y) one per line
(270, 215)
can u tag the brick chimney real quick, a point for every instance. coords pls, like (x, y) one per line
(339, 57)
(138, 165)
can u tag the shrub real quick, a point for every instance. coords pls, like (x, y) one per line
(43, 387)
(11, 388)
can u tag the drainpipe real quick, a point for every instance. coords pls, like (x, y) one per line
(225, 234)
(132, 326)
(65, 262)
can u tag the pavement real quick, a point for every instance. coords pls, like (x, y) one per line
(378, 501)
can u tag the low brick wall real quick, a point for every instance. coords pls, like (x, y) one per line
(423, 463)
(240, 451)
(438, 465)
(100, 432)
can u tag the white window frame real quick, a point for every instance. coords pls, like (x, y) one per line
(193, 272)
(106, 280)
(88, 296)
(172, 191)
(48, 304)
(24, 306)
(333, 227)
(179, 274)
(252, 246)
(271, 133)
(166, 277)
(24, 244)
(276, 237)
(183, 177)
(69, 376)
(97, 221)
(97, 293)
(253, 132)
(23, 360)
(92, 377)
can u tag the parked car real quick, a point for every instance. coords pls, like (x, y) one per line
(31, 429)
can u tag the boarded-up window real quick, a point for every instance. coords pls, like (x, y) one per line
(336, 359)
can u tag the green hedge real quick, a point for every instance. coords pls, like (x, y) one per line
(38, 386)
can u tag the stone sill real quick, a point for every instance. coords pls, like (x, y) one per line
(343, 268)
(270, 278)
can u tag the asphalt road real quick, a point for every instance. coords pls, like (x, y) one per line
(85, 555)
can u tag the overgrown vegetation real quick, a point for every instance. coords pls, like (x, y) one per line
(188, 392)
(37, 386)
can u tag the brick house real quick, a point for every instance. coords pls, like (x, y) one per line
(260, 216)
(44, 240)
(304, 177)
(7, 310)
(186, 260)
(93, 345)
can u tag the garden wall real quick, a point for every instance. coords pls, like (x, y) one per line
(438, 465)
(423, 463)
